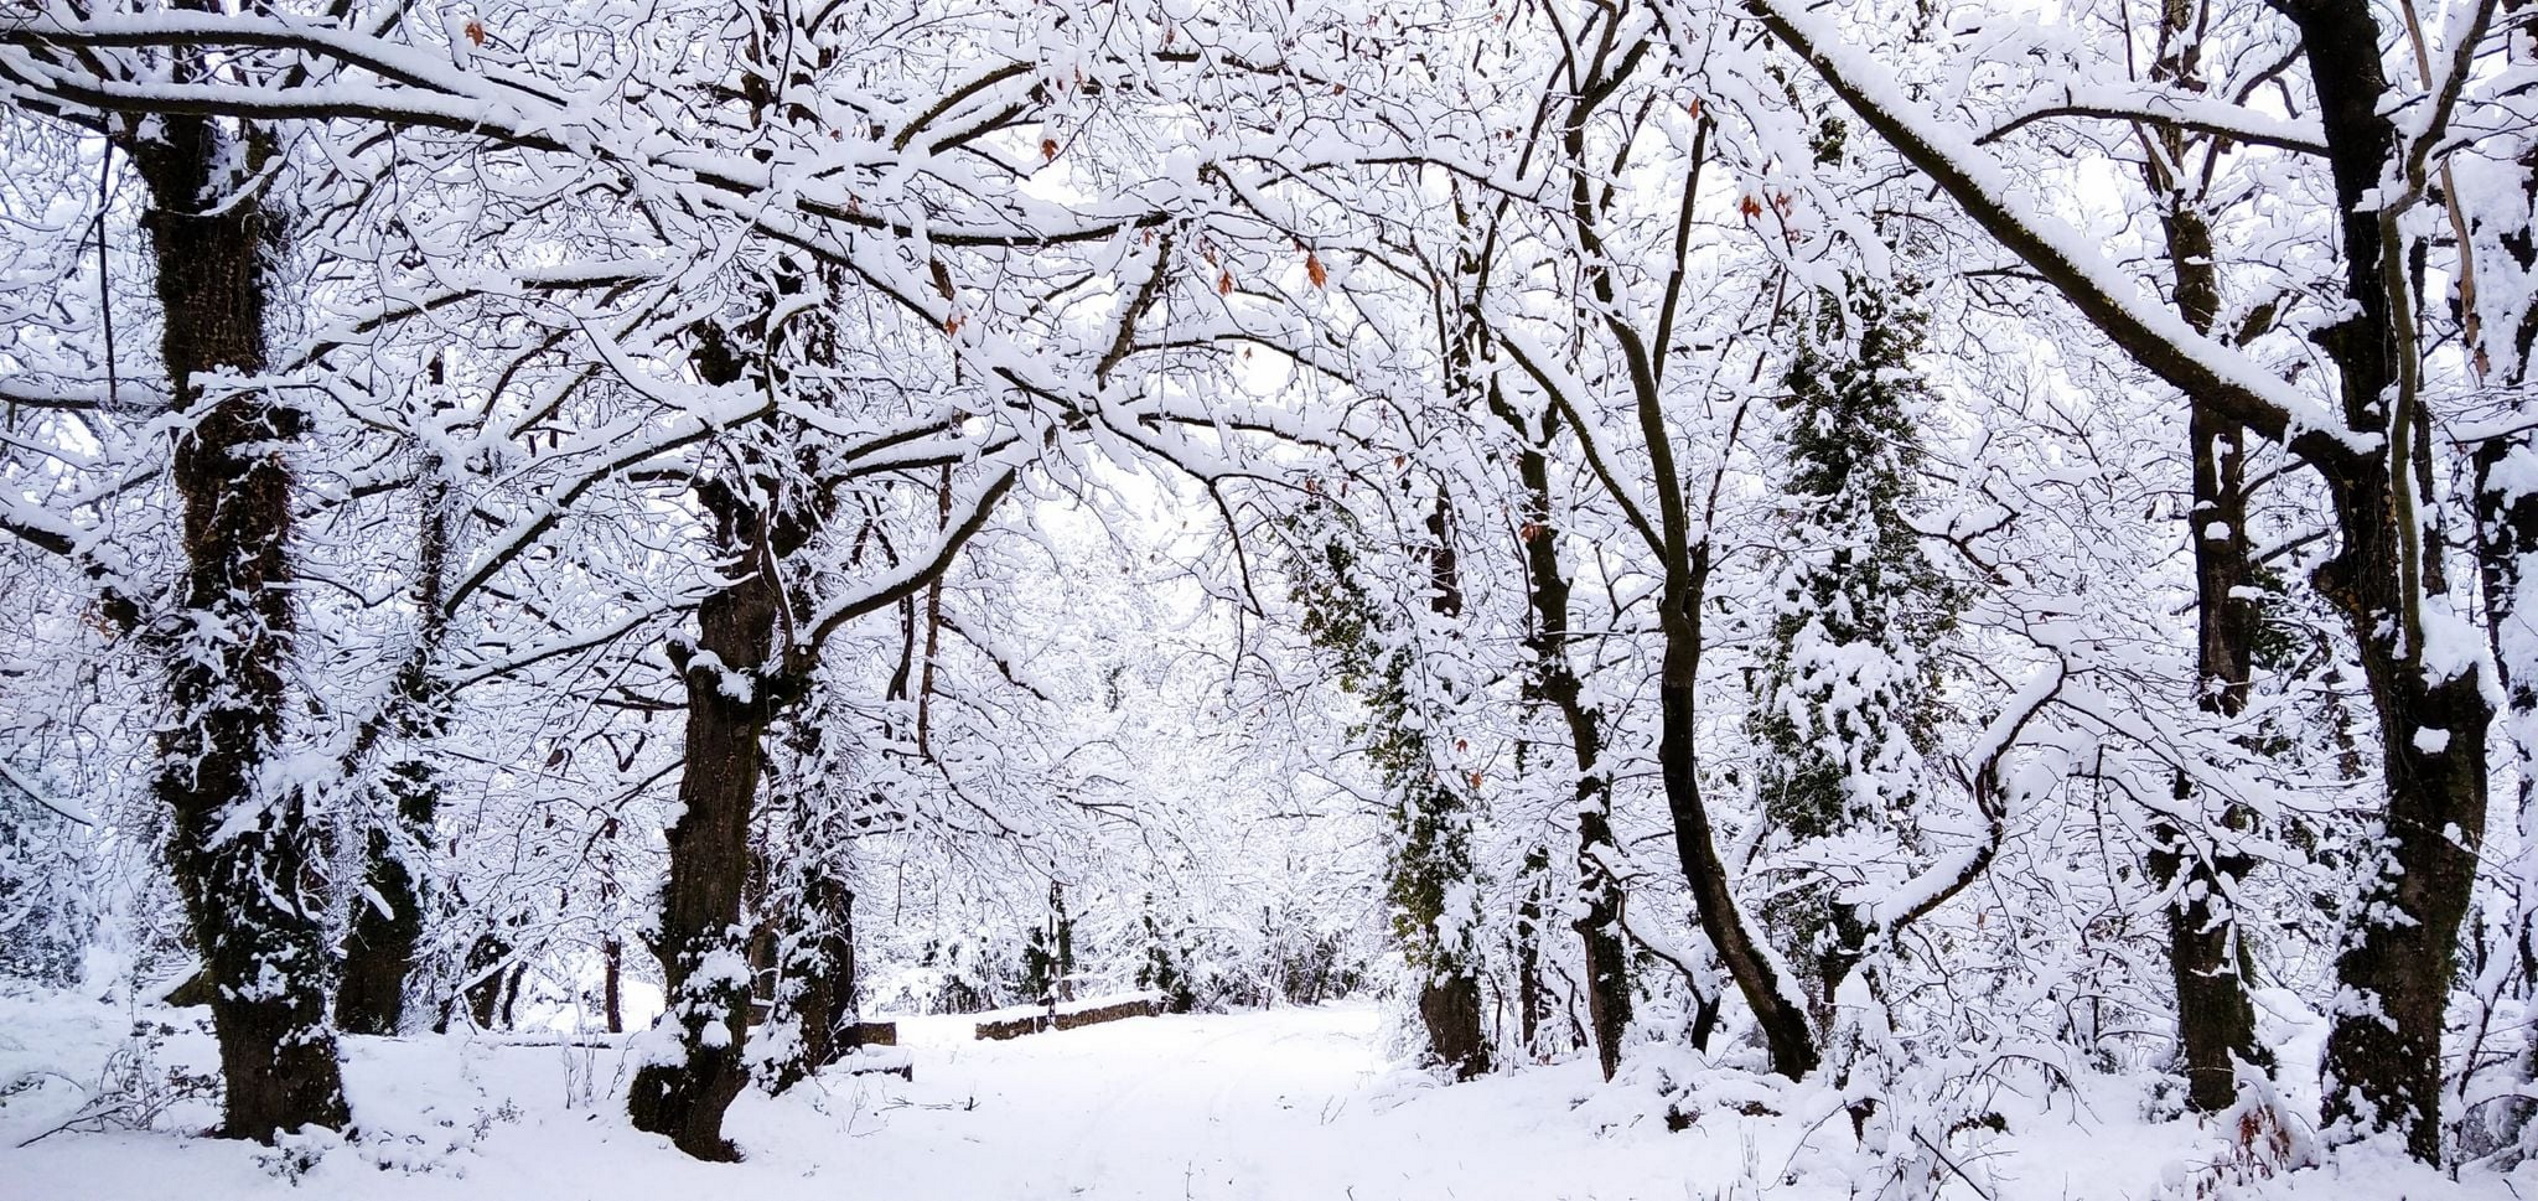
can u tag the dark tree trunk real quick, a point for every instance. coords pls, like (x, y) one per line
(243, 855)
(2383, 1054)
(612, 985)
(808, 913)
(1529, 948)
(488, 960)
(2216, 1023)
(746, 666)
(1783, 1019)
(701, 945)
(1599, 894)
(1450, 996)
(379, 949)
(1450, 1008)
(825, 1001)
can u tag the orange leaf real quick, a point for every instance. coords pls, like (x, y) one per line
(1749, 206)
(952, 324)
(1313, 268)
(476, 31)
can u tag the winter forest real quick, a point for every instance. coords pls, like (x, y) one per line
(1541, 598)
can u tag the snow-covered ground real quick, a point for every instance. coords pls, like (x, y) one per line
(1293, 1103)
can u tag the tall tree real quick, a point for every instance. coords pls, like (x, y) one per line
(1849, 686)
(244, 844)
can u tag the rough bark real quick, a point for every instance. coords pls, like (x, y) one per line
(824, 999)
(700, 942)
(378, 952)
(2383, 1054)
(243, 855)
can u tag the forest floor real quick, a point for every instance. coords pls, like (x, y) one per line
(1289, 1103)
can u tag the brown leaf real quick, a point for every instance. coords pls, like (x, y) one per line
(1048, 150)
(1225, 284)
(1313, 270)
(476, 31)
(952, 324)
(1749, 206)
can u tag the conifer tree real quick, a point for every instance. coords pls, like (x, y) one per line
(1843, 718)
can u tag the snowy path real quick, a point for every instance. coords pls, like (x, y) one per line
(1165, 1107)
(1295, 1103)
(1289, 1104)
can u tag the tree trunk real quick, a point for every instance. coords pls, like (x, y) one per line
(379, 949)
(1781, 1015)
(1599, 893)
(1529, 946)
(2383, 1054)
(2216, 1023)
(612, 985)
(701, 945)
(242, 852)
(826, 1000)
(487, 962)
(1450, 996)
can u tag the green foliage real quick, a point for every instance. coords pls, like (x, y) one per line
(1166, 966)
(1848, 694)
(1048, 951)
(1849, 685)
(1429, 881)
